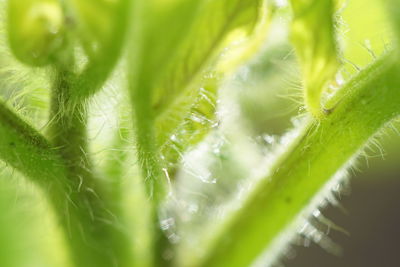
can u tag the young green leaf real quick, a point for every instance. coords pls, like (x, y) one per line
(313, 36)
(95, 21)
(165, 78)
(102, 28)
(185, 98)
(168, 95)
(214, 22)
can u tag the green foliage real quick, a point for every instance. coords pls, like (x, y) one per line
(313, 36)
(175, 58)
(182, 92)
(97, 19)
(302, 170)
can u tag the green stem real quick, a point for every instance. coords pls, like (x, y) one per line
(114, 167)
(146, 145)
(366, 104)
(26, 150)
(141, 92)
(99, 68)
(94, 233)
(150, 168)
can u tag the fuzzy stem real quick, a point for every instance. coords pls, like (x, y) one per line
(99, 68)
(94, 233)
(361, 108)
(141, 94)
(150, 168)
(26, 150)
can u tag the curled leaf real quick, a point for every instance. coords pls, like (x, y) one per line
(95, 21)
(185, 99)
(313, 36)
(173, 93)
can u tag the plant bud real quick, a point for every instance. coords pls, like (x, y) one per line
(35, 30)
(95, 19)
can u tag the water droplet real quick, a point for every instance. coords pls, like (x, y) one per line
(167, 224)
(269, 139)
(198, 118)
(339, 79)
(174, 138)
(281, 3)
(193, 208)
(174, 238)
(367, 44)
(301, 110)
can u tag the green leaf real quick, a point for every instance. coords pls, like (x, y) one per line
(102, 29)
(199, 121)
(165, 99)
(165, 80)
(185, 97)
(213, 23)
(313, 36)
(95, 21)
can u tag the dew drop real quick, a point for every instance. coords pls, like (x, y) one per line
(174, 138)
(167, 224)
(269, 139)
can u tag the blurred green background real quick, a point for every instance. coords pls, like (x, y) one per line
(266, 94)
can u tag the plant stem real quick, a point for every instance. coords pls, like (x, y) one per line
(150, 168)
(141, 92)
(26, 150)
(94, 233)
(99, 68)
(366, 104)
